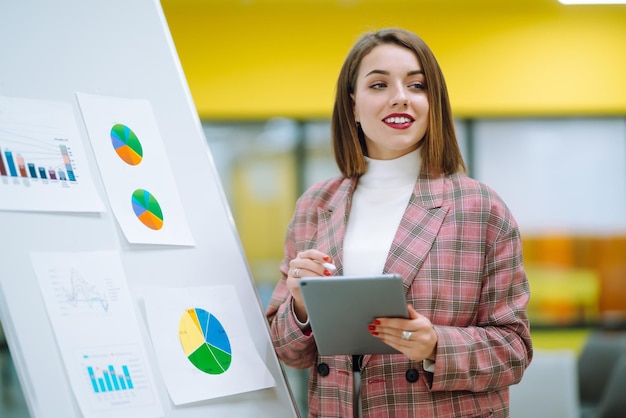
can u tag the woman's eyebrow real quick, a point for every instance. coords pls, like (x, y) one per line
(383, 72)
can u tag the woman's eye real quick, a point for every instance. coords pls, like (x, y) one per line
(418, 86)
(378, 86)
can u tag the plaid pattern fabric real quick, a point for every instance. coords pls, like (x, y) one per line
(459, 251)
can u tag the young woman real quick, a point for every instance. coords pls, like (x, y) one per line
(404, 205)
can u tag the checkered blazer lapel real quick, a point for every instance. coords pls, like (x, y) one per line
(417, 231)
(418, 228)
(333, 221)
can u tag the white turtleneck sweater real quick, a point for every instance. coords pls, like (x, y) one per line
(378, 203)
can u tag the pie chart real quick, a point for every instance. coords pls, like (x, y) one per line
(147, 209)
(204, 341)
(126, 144)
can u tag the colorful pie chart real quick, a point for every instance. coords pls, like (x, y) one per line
(126, 144)
(205, 341)
(147, 209)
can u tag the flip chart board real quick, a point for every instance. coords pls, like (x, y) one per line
(118, 49)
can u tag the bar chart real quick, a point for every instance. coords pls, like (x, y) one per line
(113, 376)
(43, 164)
(108, 380)
(39, 161)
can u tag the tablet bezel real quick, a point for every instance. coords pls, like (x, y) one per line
(341, 307)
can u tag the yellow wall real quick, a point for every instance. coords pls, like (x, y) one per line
(264, 194)
(258, 59)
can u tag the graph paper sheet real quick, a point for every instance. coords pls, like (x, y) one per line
(97, 331)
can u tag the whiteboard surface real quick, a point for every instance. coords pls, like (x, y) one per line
(118, 48)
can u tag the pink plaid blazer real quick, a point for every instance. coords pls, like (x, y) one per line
(459, 251)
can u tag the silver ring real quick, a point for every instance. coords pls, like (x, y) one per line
(406, 335)
(296, 273)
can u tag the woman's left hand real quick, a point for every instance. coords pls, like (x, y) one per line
(415, 337)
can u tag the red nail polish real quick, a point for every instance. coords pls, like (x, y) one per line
(376, 321)
(326, 258)
(374, 333)
(327, 273)
(371, 327)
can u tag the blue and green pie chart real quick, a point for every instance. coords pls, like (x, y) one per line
(205, 341)
(147, 209)
(126, 144)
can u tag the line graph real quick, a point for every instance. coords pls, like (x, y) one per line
(80, 292)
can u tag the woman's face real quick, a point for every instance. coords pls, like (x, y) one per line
(391, 102)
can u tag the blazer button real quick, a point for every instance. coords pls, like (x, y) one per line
(323, 369)
(412, 375)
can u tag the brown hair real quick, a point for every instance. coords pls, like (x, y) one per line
(440, 150)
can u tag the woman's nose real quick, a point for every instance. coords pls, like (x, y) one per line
(399, 98)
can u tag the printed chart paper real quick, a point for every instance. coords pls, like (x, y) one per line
(135, 170)
(98, 334)
(203, 344)
(42, 160)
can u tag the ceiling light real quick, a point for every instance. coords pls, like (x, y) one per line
(592, 1)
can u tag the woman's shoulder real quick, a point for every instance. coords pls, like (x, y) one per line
(322, 189)
(472, 193)
(328, 184)
(322, 192)
(463, 185)
(475, 202)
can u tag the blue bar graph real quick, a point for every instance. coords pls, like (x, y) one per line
(110, 381)
(116, 385)
(31, 169)
(19, 166)
(107, 380)
(92, 377)
(127, 377)
(68, 163)
(10, 163)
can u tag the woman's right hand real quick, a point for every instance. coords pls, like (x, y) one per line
(306, 264)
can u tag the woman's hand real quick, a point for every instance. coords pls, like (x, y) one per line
(307, 263)
(415, 337)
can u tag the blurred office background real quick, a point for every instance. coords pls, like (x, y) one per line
(539, 94)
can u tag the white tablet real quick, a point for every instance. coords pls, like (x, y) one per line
(341, 307)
